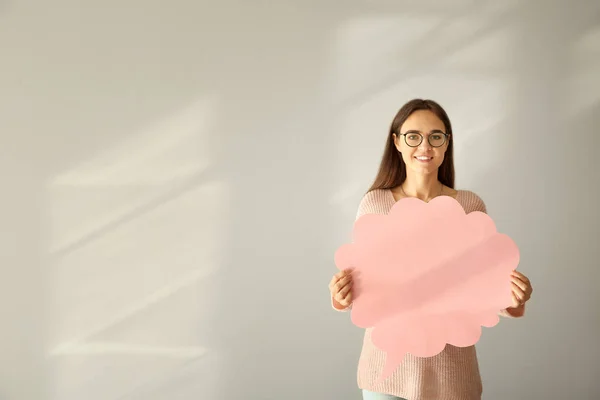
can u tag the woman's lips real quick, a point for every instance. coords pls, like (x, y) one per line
(423, 159)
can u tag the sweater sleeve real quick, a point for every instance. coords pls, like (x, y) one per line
(479, 205)
(365, 207)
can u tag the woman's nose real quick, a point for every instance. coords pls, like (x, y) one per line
(425, 144)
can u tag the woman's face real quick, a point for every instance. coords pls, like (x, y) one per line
(425, 158)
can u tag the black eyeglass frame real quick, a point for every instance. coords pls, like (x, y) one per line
(446, 138)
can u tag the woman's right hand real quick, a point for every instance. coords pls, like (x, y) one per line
(341, 289)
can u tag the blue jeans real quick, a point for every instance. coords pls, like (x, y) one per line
(379, 396)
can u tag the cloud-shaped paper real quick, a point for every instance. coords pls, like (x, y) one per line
(427, 274)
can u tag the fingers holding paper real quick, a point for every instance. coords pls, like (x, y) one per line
(521, 293)
(521, 287)
(341, 288)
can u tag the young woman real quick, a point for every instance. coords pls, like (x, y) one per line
(418, 162)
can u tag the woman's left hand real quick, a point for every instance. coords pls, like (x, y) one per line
(521, 289)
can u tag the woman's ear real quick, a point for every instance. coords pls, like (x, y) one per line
(395, 138)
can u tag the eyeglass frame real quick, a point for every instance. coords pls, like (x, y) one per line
(446, 137)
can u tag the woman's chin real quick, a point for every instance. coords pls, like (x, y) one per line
(425, 169)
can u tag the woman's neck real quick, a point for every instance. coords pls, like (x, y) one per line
(424, 187)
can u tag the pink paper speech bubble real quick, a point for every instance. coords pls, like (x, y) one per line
(427, 275)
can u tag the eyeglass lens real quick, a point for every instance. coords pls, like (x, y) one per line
(415, 139)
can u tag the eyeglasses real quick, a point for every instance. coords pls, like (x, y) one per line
(435, 139)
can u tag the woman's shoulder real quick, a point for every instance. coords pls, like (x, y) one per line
(376, 195)
(470, 201)
(376, 201)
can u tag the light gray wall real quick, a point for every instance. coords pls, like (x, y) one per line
(176, 178)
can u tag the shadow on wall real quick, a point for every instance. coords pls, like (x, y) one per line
(129, 261)
(541, 194)
(418, 43)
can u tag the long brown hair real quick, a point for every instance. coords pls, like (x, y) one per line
(392, 170)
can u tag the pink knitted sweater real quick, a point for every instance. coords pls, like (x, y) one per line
(451, 375)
